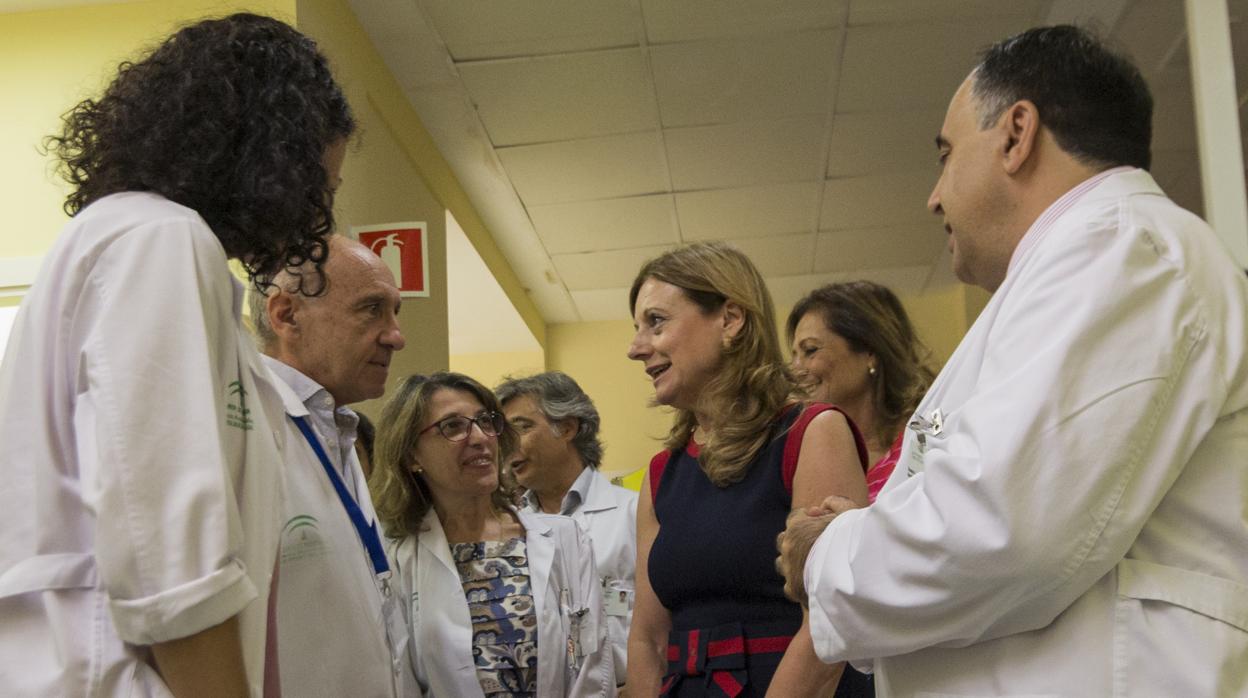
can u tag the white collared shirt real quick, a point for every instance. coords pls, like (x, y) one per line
(334, 425)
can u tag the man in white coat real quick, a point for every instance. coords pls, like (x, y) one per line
(557, 462)
(1068, 516)
(340, 629)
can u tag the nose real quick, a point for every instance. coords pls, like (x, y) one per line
(933, 201)
(638, 350)
(393, 336)
(476, 434)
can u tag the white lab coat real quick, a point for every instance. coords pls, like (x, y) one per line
(140, 465)
(608, 513)
(1077, 526)
(334, 618)
(560, 562)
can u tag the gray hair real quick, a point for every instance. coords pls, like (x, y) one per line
(559, 397)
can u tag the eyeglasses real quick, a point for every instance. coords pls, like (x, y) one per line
(456, 428)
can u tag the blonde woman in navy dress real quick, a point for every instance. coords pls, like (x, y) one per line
(501, 602)
(711, 617)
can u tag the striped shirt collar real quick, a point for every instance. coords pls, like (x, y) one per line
(1055, 210)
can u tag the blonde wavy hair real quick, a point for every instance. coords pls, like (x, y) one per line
(752, 384)
(401, 496)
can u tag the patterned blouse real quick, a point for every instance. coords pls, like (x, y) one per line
(495, 575)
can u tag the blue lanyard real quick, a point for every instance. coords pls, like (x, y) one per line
(367, 532)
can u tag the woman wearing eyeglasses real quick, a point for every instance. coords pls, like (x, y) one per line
(502, 602)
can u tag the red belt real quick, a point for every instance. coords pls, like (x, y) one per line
(719, 653)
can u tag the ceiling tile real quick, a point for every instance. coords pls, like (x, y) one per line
(606, 224)
(1174, 115)
(898, 11)
(556, 98)
(876, 200)
(770, 209)
(668, 21)
(596, 168)
(1148, 31)
(912, 66)
(737, 155)
(1171, 164)
(783, 255)
(876, 248)
(723, 81)
(893, 141)
(590, 270)
(602, 304)
(407, 43)
(497, 28)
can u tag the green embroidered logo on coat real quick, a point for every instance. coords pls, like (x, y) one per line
(236, 412)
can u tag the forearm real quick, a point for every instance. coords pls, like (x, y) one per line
(647, 662)
(801, 673)
(208, 663)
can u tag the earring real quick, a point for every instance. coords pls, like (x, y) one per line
(870, 370)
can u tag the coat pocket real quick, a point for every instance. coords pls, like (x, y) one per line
(1178, 632)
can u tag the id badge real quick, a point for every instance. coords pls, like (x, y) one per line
(933, 424)
(616, 601)
(396, 625)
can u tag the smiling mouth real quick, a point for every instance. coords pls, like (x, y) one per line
(655, 371)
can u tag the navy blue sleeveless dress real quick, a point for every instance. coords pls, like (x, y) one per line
(712, 565)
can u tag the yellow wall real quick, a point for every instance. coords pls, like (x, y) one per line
(49, 61)
(382, 180)
(490, 368)
(940, 319)
(593, 353)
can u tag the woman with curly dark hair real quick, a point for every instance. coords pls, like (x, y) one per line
(141, 499)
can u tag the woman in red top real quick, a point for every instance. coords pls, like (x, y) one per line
(854, 347)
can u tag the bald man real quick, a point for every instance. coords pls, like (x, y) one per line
(340, 631)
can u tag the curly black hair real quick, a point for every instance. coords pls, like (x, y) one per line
(230, 117)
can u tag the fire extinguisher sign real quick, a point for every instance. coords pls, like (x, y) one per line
(404, 247)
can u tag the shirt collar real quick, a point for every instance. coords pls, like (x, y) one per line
(578, 493)
(572, 499)
(313, 396)
(1045, 221)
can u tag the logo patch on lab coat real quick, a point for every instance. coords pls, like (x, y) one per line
(302, 540)
(236, 413)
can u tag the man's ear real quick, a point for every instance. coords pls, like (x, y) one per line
(1021, 124)
(733, 319)
(283, 314)
(566, 428)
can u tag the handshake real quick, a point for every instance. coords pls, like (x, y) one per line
(801, 531)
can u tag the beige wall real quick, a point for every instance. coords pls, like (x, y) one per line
(490, 368)
(49, 61)
(593, 353)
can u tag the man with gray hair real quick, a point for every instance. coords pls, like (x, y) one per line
(557, 461)
(328, 340)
